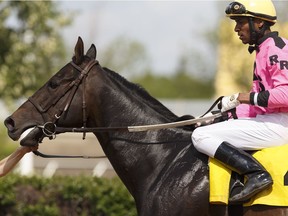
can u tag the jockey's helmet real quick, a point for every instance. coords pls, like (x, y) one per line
(262, 9)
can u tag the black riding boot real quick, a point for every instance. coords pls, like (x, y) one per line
(243, 163)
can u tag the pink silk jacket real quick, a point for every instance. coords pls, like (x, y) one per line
(270, 78)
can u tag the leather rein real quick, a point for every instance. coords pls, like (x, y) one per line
(50, 128)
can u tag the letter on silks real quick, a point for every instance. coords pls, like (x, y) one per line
(283, 65)
(273, 59)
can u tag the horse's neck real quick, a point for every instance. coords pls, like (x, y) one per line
(127, 103)
(137, 155)
(140, 157)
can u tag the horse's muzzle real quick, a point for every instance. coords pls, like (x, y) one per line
(10, 125)
(30, 136)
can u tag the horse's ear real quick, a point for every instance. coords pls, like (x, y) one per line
(92, 52)
(79, 51)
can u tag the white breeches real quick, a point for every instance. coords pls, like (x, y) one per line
(245, 133)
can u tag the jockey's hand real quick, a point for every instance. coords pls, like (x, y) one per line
(229, 102)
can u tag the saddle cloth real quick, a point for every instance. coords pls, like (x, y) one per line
(273, 159)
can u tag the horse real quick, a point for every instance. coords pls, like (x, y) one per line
(160, 168)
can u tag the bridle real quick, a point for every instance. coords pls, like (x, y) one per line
(48, 127)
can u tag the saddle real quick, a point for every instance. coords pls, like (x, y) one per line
(223, 182)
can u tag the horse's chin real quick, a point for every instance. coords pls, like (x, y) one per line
(31, 137)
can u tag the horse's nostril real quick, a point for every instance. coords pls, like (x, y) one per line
(9, 123)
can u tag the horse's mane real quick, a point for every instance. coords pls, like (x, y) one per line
(157, 105)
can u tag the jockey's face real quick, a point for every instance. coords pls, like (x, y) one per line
(242, 29)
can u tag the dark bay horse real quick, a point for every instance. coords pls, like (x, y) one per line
(160, 168)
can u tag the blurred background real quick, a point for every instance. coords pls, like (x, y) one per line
(184, 53)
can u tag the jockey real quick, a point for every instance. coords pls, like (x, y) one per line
(263, 112)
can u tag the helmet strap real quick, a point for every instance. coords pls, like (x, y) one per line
(256, 35)
(253, 33)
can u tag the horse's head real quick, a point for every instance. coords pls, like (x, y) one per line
(50, 104)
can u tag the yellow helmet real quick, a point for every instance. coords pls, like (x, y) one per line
(262, 9)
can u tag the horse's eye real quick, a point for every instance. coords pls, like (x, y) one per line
(52, 84)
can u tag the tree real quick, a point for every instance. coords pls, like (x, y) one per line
(125, 55)
(180, 85)
(31, 46)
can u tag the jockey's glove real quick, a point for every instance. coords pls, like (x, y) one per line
(229, 102)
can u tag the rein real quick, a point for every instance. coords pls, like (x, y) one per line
(50, 130)
(50, 133)
(37, 153)
(139, 128)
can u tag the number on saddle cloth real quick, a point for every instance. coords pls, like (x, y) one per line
(286, 179)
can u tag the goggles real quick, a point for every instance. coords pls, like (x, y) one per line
(235, 8)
